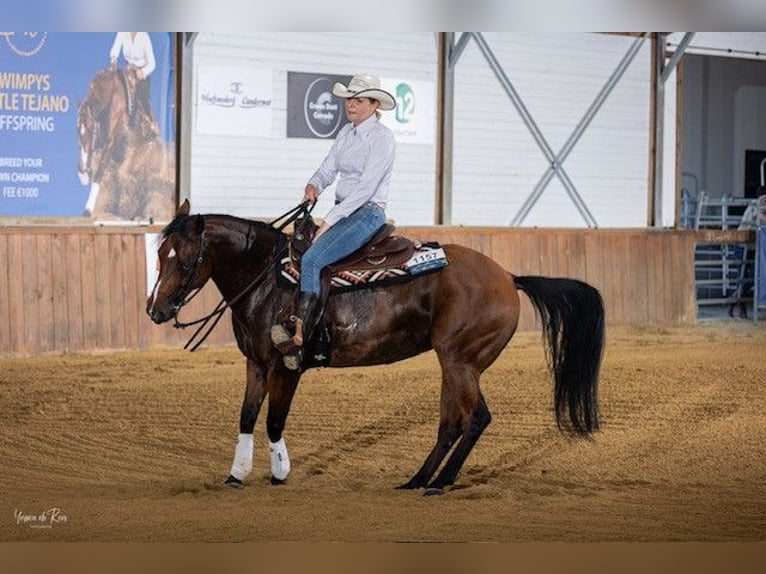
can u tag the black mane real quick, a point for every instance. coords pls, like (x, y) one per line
(179, 224)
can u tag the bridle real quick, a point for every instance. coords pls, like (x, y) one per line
(188, 293)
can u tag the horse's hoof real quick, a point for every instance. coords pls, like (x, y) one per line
(410, 485)
(431, 491)
(233, 482)
(276, 482)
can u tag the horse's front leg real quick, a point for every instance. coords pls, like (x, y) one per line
(281, 388)
(255, 392)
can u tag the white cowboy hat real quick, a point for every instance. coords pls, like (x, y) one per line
(365, 86)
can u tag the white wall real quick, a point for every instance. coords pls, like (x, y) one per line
(496, 160)
(262, 177)
(669, 153)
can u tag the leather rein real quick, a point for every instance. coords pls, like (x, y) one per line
(302, 210)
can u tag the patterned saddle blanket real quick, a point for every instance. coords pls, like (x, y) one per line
(427, 258)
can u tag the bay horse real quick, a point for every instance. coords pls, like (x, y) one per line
(102, 125)
(131, 174)
(467, 312)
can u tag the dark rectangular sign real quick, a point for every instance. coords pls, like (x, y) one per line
(312, 109)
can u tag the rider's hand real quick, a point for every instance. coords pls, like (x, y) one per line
(310, 194)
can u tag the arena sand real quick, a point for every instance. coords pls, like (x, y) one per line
(135, 446)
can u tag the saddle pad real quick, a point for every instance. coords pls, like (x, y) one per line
(428, 257)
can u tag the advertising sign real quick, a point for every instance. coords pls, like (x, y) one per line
(87, 125)
(414, 118)
(314, 112)
(312, 109)
(233, 100)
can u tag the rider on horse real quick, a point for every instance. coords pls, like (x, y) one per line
(363, 155)
(136, 49)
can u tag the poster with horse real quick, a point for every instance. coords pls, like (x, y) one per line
(87, 125)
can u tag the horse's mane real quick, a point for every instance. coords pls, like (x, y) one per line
(97, 100)
(101, 73)
(178, 225)
(97, 82)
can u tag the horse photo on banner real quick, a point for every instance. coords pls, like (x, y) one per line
(87, 125)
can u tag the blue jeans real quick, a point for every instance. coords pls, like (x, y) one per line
(343, 238)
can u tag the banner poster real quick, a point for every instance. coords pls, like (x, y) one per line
(413, 118)
(234, 101)
(314, 112)
(312, 109)
(87, 125)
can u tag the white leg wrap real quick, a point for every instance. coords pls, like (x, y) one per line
(243, 457)
(280, 462)
(91, 203)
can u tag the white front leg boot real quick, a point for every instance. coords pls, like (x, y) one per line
(280, 461)
(243, 457)
(92, 196)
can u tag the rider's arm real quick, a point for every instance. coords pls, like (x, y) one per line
(149, 51)
(328, 170)
(114, 53)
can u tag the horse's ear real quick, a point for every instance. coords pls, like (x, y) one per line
(184, 208)
(199, 224)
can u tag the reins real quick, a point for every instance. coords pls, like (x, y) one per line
(302, 210)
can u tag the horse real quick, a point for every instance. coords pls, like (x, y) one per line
(466, 312)
(102, 125)
(130, 170)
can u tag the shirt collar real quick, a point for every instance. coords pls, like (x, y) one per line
(367, 125)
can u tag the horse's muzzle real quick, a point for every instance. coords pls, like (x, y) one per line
(160, 316)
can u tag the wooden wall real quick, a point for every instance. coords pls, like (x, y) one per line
(83, 289)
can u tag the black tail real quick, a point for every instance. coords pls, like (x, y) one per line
(572, 313)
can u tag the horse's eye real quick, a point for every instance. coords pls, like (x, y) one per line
(186, 267)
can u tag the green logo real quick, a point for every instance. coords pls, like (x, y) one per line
(405, 103)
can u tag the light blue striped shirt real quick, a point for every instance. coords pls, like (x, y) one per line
(364, 159)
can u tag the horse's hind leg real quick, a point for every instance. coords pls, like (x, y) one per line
(478, 420)
(449, 432)
(464, 416)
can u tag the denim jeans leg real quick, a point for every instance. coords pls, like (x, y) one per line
(342, 239)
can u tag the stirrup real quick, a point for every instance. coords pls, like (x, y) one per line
(282, 339)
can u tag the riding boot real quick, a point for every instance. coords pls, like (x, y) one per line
(307, 315)
(308, 305)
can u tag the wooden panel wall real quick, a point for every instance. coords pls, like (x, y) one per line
(67, 290)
